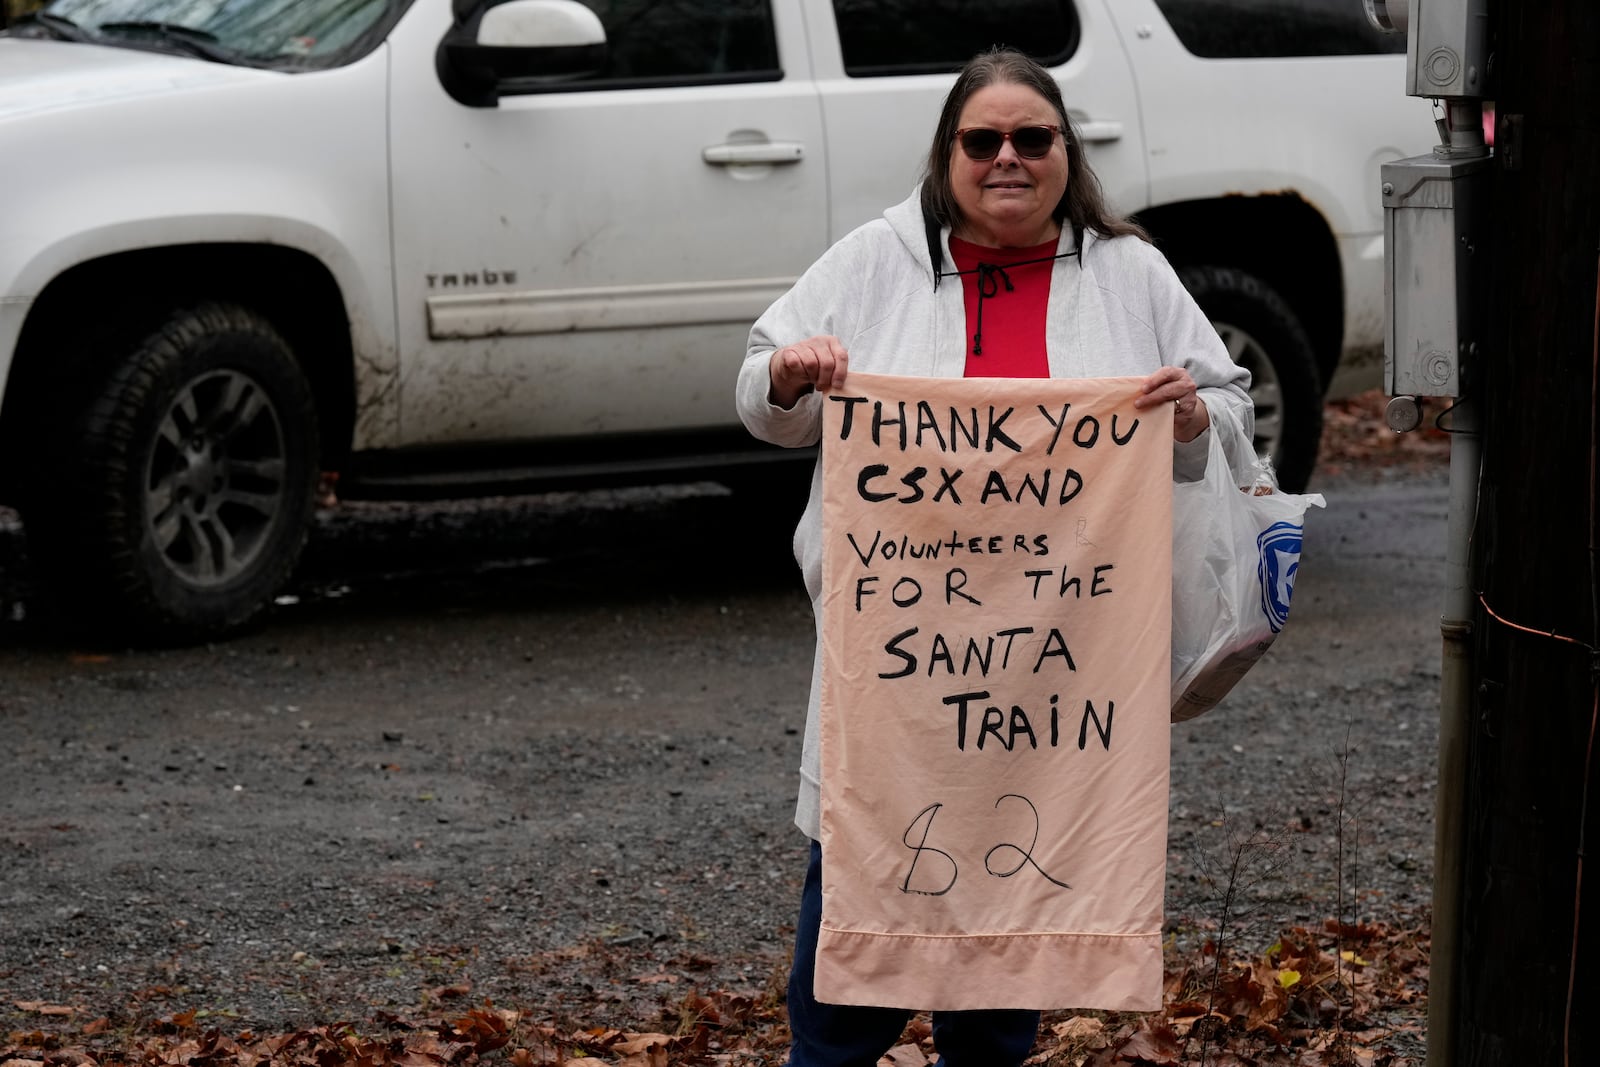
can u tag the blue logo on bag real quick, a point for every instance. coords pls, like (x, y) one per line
(1279, 545)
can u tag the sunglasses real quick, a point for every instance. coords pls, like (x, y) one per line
(1031, 142)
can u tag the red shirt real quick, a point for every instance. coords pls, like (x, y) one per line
(1006, 326)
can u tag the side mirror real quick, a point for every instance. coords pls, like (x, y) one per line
(521, 40)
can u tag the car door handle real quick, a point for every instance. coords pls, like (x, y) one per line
(1098, 132)
(728, 155)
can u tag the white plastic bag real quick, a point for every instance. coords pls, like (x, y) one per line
(1235, 554)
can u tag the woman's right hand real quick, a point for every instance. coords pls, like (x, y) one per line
(816, 363)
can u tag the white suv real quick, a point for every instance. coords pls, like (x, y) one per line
(451, 247)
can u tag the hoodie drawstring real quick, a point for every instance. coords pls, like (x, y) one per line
(988, 286)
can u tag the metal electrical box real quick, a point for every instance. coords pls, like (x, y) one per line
(1431, 299)
(1447, 48)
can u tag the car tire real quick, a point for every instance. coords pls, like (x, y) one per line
(1263, 334)
(179, 504)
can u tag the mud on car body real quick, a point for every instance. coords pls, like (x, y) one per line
(450, 248)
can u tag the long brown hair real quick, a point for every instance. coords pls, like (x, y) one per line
(1082, 206)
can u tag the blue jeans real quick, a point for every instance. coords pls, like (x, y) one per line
(838, 1035)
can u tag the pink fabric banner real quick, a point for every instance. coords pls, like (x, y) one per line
(996, 691)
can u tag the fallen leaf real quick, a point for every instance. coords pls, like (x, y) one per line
(183, 1020)
(904, 1056)
(71, 1057)
(1354, 931)
(655, 1057)
(413, 1058)
(1159, 1047)
(634, 1043)
(1079, 1027)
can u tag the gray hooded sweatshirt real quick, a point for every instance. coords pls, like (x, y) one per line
(1115, 310)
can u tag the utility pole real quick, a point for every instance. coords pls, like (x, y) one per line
(1493, 294)
(1529, 936)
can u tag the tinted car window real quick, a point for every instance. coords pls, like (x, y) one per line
(915, 36)
(688, 40)
(1255, 29)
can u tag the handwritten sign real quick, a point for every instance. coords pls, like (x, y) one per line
(996, 693)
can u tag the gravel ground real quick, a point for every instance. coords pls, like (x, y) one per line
(455, 771)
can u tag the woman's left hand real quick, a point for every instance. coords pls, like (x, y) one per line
(1172, 385)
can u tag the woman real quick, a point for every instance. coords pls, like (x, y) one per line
(1005, 263)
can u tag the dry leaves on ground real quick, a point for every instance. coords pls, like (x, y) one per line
(1341, 996)
(1356, 437)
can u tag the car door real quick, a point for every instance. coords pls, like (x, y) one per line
(884, 67)
(586, 257)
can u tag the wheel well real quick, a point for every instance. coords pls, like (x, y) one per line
(94, 311)
(1278, 237)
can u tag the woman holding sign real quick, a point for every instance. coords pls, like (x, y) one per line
(1004, 263)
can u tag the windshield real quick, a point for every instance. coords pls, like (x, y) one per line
(296, 34)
